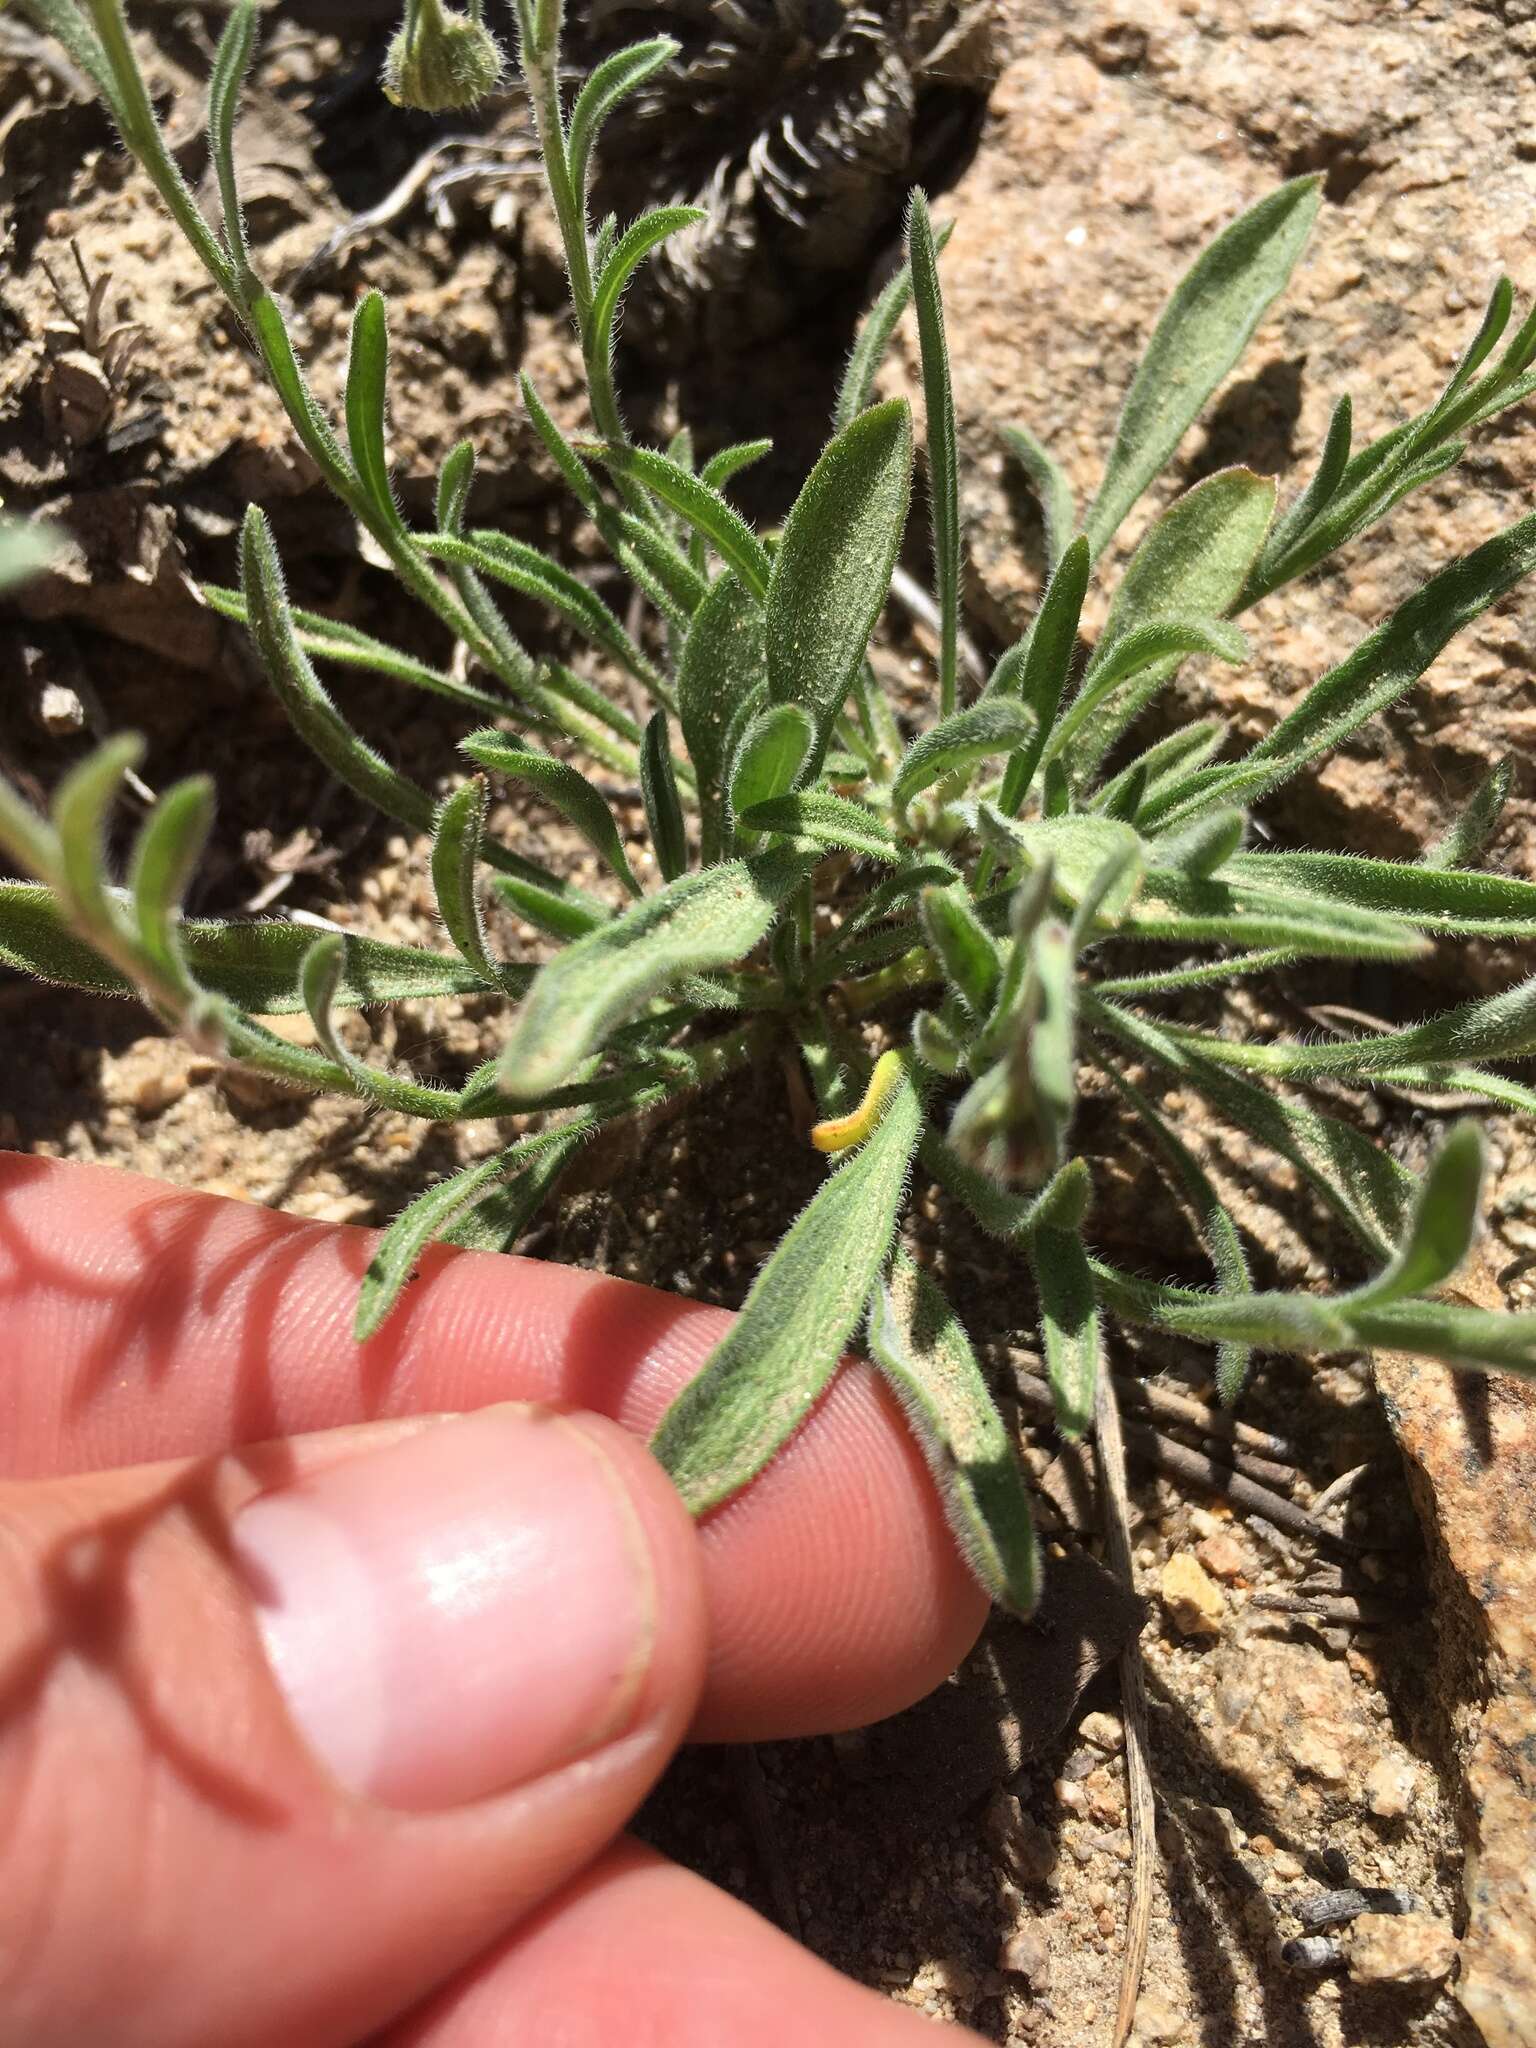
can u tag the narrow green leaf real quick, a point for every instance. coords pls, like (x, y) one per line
(670, 580)
(561, 785)
(1045, 667)
(165, 857)
(332, 640)
(1201, 850)
(920, 1345)
(833, 567)
(1179, 753)
(699, 922)
(1484, 1339)
(1069, 1324)
(430, 1216)
(763, 1378)
(703, 507)
(1191, 564)
(967, 951)
(531, 574)
(630, 251)
(312, 427)
(770, 757)
(993, 725)
(1204, 328)
(231, 62)
(1440, 1230)
(456, 852)
(1501, 1027)
(577, 476)
(455, 481)
(729, 462)
(81, 805)
(825, 820)
(1052, 489)
(366, 398)
(1192, 909)
(606, 85)
(663, 807)
(496, 1219)
(1467, 837)
(1157, 646)
(321, 972)
(1382, 668)
(935, 1044)
(943, 458)
(1432, 899)
(558, 913)
(1078, 848)
(723, 668)
(1297, 519)
(1362, 1184)
(893, 896)
(1051, 1041)
(873, 339)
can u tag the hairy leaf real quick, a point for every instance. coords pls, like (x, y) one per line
(1204, 328)
(833, 568)
(1441, 1228)
(1052, 488)
(366, 395)
(1382, 668)
(943, 460)
(769, 757)
(663, 806)
(629, 252)
(253, 965)
(723, 667)
(698, 922)
(994, 725)
(826, 820)
(605, 86)
(764, 1376)
(1432, 899)
(1069, 1324)
(702, 506)
(921, 1347)
(1467, 837)
(561, 785)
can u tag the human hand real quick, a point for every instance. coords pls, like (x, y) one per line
(326, 1721)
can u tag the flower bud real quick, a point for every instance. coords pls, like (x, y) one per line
(441, 60)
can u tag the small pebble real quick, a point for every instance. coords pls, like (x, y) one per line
(1398, 1948)
(1389, 1789)
(1024, 1954)
(1222, 1556)
(1158, 2019)
(1193, 1599)
(60, 710)
(1104, 1731)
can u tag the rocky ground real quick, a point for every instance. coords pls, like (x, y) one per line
(1327, 1713)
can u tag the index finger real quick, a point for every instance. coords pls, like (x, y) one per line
(146, 1322)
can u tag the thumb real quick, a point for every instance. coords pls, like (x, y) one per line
(287, 1737)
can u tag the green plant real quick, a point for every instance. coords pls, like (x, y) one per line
(821, 875)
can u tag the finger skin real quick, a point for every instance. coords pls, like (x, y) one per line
(175, 1868)
(639, 1952)
(143, 1321)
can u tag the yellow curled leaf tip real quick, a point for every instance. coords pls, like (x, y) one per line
(839, 1132)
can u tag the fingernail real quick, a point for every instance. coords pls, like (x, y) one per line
(456, 1614)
